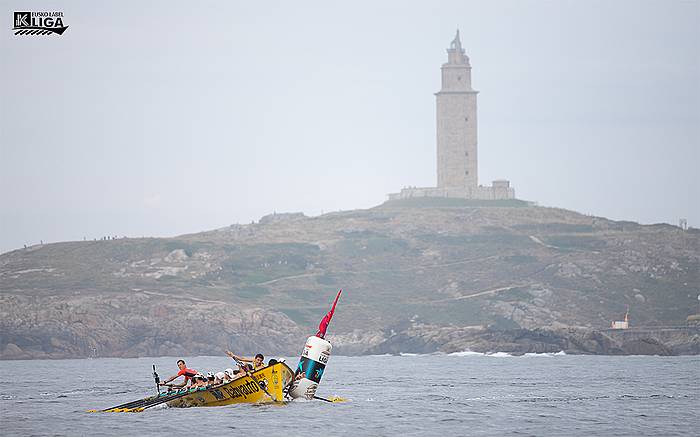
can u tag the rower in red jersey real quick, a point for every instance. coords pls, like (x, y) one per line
(184, 371)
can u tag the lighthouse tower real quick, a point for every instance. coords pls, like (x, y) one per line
(457, 171)
(456, 124)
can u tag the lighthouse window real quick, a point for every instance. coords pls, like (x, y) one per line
(466, 118)
(466, 153)
(466, 172)
(459, 77)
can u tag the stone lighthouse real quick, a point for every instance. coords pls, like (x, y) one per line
(457, 165)
(456, 123)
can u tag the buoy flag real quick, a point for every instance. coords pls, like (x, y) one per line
(327, 318)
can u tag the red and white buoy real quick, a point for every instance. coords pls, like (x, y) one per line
(312, 364)
(313, 361)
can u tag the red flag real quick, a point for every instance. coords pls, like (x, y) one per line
(327, 318)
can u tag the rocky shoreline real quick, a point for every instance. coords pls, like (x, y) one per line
(570, 340)
(275, 334)
(137, 325)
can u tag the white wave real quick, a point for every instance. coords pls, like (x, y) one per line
(407, 354)
(469, 353)
(500, 355)
(545, 354)
(466, 353)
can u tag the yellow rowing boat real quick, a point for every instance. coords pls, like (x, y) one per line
(265, 385)
(262, 386)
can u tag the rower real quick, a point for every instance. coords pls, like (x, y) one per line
(258, 361)
(219, 378)
(229, 375)
(184, 371)
(243, 370)
(199, 381)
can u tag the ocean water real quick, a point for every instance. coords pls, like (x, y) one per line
(458, 394)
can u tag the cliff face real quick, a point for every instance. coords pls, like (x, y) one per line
(445, 264)
(138, 324)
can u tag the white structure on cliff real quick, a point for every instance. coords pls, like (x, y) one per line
(457, 168)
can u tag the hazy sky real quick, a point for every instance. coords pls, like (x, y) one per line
(163, 118)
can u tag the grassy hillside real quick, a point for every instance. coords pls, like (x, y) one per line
(437, 261)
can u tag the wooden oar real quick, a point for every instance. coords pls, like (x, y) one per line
(141, 404)
(333, 400)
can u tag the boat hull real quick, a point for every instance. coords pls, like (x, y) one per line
(273, 378)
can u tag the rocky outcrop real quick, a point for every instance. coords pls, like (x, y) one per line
(680, 340)
(571, 340)
(138, 324)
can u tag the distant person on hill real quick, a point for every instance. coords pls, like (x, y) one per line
(184, 371)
